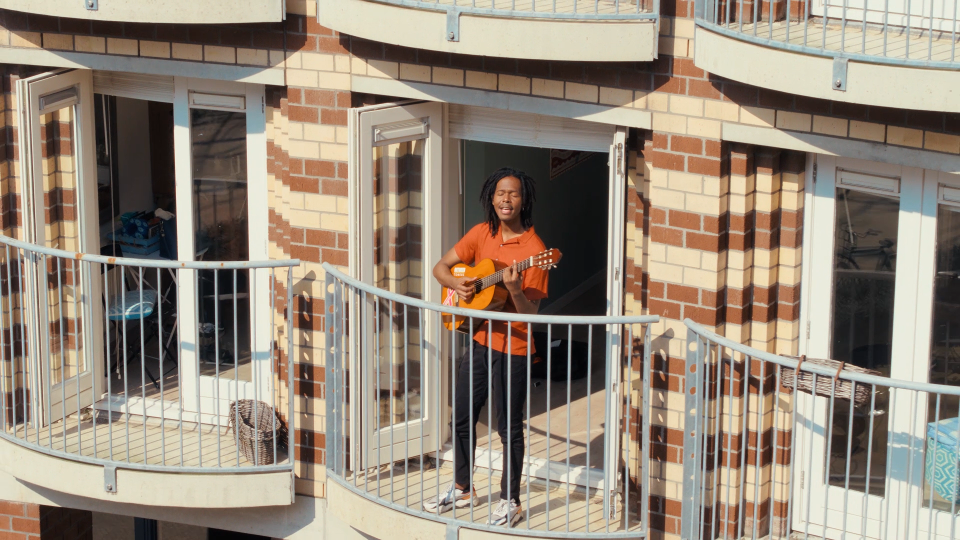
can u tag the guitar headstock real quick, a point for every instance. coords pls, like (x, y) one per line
(547, 259)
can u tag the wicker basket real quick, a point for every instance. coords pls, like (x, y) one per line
(825, 384)
(257, 434)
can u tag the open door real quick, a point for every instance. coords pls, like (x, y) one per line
(398, 190)
(615, 239)
(60, 212)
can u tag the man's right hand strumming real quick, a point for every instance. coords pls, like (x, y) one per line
(464, 288)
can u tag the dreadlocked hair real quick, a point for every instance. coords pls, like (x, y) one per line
(528, 194)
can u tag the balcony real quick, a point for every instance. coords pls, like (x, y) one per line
(864, 456)
(870, 52)
(574, 30)
(584, 420)
(116, 388)
(170, 11)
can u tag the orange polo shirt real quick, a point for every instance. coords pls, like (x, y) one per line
(478, 245)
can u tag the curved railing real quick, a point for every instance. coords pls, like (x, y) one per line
(878, 441)
(96, 367)
(387, 437)
(921, 34)
(540, 9)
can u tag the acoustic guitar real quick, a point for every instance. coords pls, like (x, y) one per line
(489, 292)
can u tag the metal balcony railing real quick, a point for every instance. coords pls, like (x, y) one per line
(98, 364)
(546, 9)
(583, 419)
(916, 33)
(865, 457)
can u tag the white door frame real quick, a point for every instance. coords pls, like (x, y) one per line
(56, 401)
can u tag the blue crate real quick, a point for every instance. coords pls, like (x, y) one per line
(136, 246)
(942, 458)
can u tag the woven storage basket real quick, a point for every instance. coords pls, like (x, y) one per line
(825, 383)
(257, 434)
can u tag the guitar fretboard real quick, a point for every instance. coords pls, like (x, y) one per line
(497, 276)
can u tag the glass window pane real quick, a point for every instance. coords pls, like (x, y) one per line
(398, 267)
(218, 145)
(864, 273)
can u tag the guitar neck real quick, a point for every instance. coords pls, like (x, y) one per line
(497, 276)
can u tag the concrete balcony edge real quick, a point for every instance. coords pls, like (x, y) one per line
(165, 11)
(148, 488)
(633, 40)
(901, 87)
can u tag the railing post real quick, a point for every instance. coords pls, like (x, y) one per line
(330, 315)
(692, 438)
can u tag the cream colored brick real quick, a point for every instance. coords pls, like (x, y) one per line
(277, 58)
(942, 142)
(335, 222)
(320, 203)
(4, 37)
(382, 68)
(294, 60)
(667, 198)
(583, 92)
(547, 88)
(319, 133)
(666, 272)
(904, 136)
(335, 81)
(660, 178)
(830, 126)
(253, 57)
(301, 77)
(415, 72)
(683, 257)
(867, 130)
(295, 131)
(666, 26)
(482, 80)
(703, 204)
(358, 66)
(341, 63)
(160, 49)
(514, 84)
(303, 149)
(674, 46)
(302, 7)
(343, 135)
(721, 110)
(704, 128)
(185, 51)
(658, 102)
(448, 76)
(616, 96)
(683, 28)
(670, 123)
(640, 99)
(91, 44)
(334, 152)
(686, 105)
(127, 47)
(690, 183)
(793, 121)
(758, 116)
(25, 39)
(316, 61)
(222, 55)
(63, 42)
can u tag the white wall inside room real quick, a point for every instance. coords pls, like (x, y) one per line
(570, 213)
(133, 155)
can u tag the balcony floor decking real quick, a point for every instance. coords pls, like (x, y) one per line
(409, 488)
(153, 443)
(895, 43)
(588, 7)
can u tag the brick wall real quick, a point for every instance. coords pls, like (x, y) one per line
(20, 521)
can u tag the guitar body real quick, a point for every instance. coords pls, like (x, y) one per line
(489, 299)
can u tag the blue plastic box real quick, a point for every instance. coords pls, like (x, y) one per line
(942, 458)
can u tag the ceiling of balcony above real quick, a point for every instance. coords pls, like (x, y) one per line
(155, 11)
(571, 30)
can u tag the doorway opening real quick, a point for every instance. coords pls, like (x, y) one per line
(570, 214)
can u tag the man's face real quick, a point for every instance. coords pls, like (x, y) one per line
(507, 199)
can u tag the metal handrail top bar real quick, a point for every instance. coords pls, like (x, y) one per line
(491, 315)
(816, 50)
(818, 369)
(147, 263)
(518, 14)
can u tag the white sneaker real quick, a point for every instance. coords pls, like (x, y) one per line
(453, 496)
(506, 513)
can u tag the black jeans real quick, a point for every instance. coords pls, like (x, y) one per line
(503, 366)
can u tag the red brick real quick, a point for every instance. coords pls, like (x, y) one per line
(13, 536)
(333, 117)
(338, 257)
(657, 289)
(334, 187)
(305, 253)
(343, 241)
(4, 523)
(321, 238)
(684, 220)
(322, 98)
(25, 525)
(704, 166)
(660, 140)
(711, 148)
(295, 166)
(298, 113)
(703, 89)
(686, 67)
(687, 145)
(12, 508)
(666, 160)
(670, 310)
(672, 85)
(703, 242)
(658, 216)
(664, 235)
(304, 184)
(711, 224)
(315, 28)
(324, 169)
(334, 45)
(682, 293)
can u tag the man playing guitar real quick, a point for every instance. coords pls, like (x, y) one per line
(507, 236)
